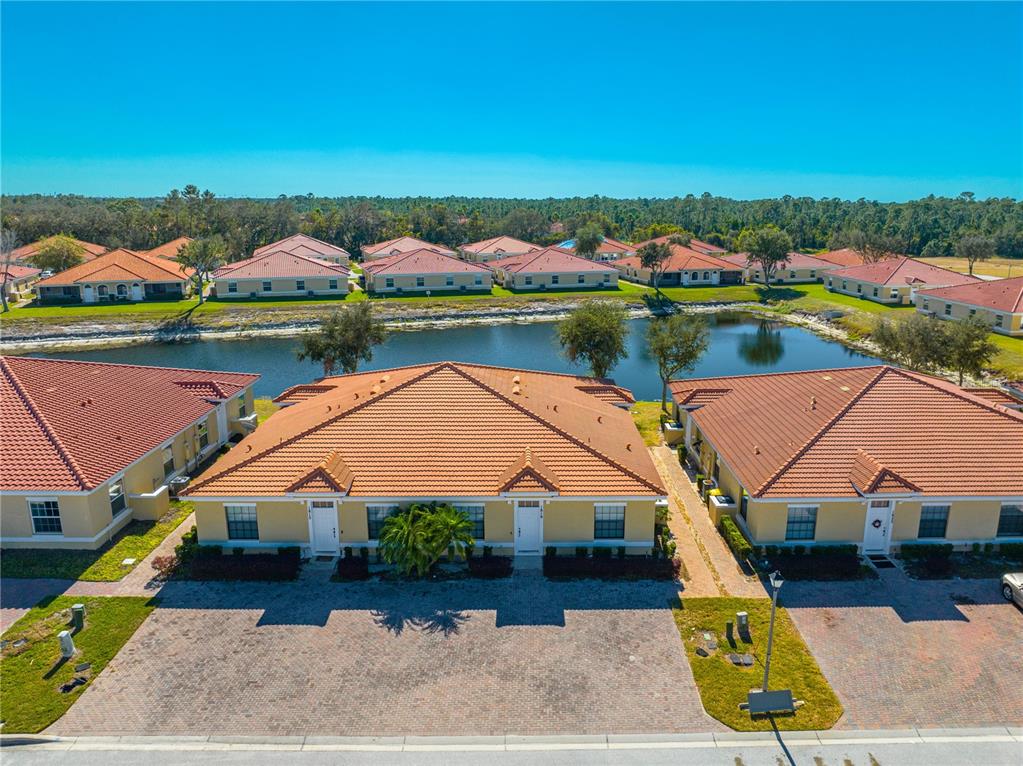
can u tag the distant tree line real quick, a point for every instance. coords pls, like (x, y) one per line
(930, 227)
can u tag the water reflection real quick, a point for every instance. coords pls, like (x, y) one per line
(765, 347)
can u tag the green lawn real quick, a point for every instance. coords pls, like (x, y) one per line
(1009, 360)
(647, 416)
(137, 540)
(723, 685)
(720, 294)
(265, 408)
(30, 699)
(147, 310)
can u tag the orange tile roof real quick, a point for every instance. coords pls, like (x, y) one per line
(25, 252)
(168, 249)
(800, 434)
(550, 260)
(795, 261)
(69, 426)
(15, 271)
(421, 261)
(502, 244)
(998, 294)
(121, 265)
(901, 270)
(443, 430)
(303, 244)
(279, 263)
(694, 244)
(684, 259)
(844, 257)
(403, 245)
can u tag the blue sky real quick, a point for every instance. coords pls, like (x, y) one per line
(885, 101)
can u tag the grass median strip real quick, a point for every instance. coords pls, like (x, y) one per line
(647, 417)
(33, 673)
(724, 685)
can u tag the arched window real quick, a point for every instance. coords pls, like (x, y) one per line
(102, 289)
(122, 290)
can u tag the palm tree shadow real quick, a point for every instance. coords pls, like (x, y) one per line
(447, 622)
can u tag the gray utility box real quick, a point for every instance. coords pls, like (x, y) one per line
(178, 483)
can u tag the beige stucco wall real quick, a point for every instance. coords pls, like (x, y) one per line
(1012, 324)
(377, 283)
(786, 275)
(867, 290)
(82, 516)
(567, 280)
(280, 286)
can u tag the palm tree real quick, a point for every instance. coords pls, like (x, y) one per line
(404, 542)
(449, 529)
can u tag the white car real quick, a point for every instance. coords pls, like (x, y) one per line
(1012, 587)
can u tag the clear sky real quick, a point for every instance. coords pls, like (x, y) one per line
(885, 101)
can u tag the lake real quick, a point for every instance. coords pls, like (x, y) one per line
(740, 344)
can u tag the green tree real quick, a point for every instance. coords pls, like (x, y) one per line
(974, 247)
(58, 253)
(676, 343)
(203, 256)
(344, 339)
(587, 240)
(768, 247)
(654, 256)
(916, 341)
(968, 347)
(596, 333)
(525, 223)
(416, 538)
(683, 238)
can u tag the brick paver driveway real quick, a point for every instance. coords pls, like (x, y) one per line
(901, 652)
(518, 656)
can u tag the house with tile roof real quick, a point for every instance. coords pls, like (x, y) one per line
(303, 244)
(424, 270)
(19, 280)
(843, 257)
(400, 245)
(535, 459)
(553, 268)
(170, 249)
(799, 268)
(278, 273)
(87, 447)
(684, 268)
(119, 275)
(893, 280)
(23, 254)
(610, 249)
(877, 456)
(495, 248)
(694, 244)
(998, 302)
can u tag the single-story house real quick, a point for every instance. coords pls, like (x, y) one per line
(843, 257)
(685, 267)
(610, 249)
(496, 248)
(170, 249)
(25, 253)
(303, 244)
(555, 269)
(19, 280)
(998, 302)
(694, 244)
(120, 275)
(535, 459)
(798, 268)
(401, 245)
(893, 280)
(424, 270)
(877, 456)
(280, 274)
(90, 446)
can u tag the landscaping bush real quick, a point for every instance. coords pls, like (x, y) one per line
(353, 568)
(736, 540)
(841, 566)
(938, 565)
(925, 550)
(607, 568)
(272, 567)
(1011, 550)
(490, 567)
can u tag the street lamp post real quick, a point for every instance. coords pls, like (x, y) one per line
(776, 583)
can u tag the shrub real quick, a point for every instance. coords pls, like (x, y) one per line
(1011, 550)
(165, 565)
(601, 553)
(798, 550)
(736, 540)
(607, 568)
(258, 566)
(989, 547)
(925, 550)
(490, 567)
(488, 551)
(364, 552)
(818, 566)
(236, 551)
(938, 565)
(550, 550)
(581, 552)
(348, 551)
(353, 568)
(621, 551)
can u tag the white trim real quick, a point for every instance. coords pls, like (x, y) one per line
(899, 498)
(602, 543)
(515, 520)
(426, 498)
(312, 526)
(115, 523)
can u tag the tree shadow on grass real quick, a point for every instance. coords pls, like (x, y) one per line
(778, 294)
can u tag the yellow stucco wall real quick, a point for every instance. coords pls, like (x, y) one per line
(884, 292)
(1012, 324)
(567, 280)
(438, 282)
(280, 286)
(786, 275)
(82, 516)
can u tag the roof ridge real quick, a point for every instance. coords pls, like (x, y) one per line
(124, 364)
(780, 373)
(51, 435)
(966, 396)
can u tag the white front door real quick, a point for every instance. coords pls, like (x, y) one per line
(136, 292)
(528, 527)
(323, 526)
(88, 295)
(878, 530)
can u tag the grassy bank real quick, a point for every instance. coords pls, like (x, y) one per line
(647, 416)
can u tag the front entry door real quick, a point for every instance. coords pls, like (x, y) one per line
(878, 531)
(528, 527)
(323, 523)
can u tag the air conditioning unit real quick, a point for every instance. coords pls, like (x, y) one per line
(178, 483)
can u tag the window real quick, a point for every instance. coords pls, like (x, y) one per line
(375, 516)
(706, 276)
(243, 409)
(933, 521)
(813, 274)
(792, 275)
(801, 523)
(973, 312)
(927, 306)
(829, 281)
(420, 281)
(555, 278)
(581, 279)
(998, 320)
(475, 512)
(268, 287)
(389, 282)
(609, 521)
(449, 281)
(45, 517)
(1010, 521)
(300, 285)
(607, 278)
(241, 522)
(478, 281)
(859, 289)
(116, 493)
(895, 293)
(232, 287)
(332, 284)
(168, 460)
(204, 435)
(122, 290)
(529, 280)
(948, 309)
(844, 287)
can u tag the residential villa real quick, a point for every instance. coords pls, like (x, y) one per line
(24, 254)
(280, 274)
(496, 248)
(303, 244)
(893, 280)
(553, 268)
(610, 249)
(685, 267)
(694, 244)
(19, 280)
(401, 245)
(798, 268)
(170, 249)
(537, 460)
(999, 303)
(89, 446)
(877, 456)
(846, 256)
(424, 270)
(119, 275)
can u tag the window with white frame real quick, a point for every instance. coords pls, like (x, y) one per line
(300, 285)
(948, 309)
(475, 512)
(581, 279)
(998, 320)
(45, 517)
(895, 292)
(268, 286)
(168, 460)
(389, 282)
(420, 281)
(478, 281)
(241, 522)
(376, 515)
(801, 523)
(203, 432)
(332, 284)
(859, 289)
(607, 278)
(529, 280)
(116, 493)
(609, 521)
(449, 281)
(933, 521)
(555, 279)
(1010, 520)
(232, 287)
(243, 408)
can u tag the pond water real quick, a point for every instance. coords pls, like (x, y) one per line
(740, 344)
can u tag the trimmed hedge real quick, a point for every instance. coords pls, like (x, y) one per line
(353, 568)
(1011, 550)
(272, 567)
(609, 568)
(734, 537)
(925, 550)
(490, 567)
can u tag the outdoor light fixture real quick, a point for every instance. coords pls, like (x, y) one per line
(763, 701)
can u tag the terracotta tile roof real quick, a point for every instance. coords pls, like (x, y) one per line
(279, 263)
(403, 245)
(684, 259)
(607, 245)
(901, 270)
(303, 244)
(15, 271)
(444, 430)
(795, 261)
(422, 261)
(998, 295)
(550, 260)
(694, 244)
(792, 435)
(844, 257)
(25, 252)
(68, 425)
(498, 245)
(168, 249)
(121, 265)
(996, 396)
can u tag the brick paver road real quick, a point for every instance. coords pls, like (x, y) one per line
(518, 656)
